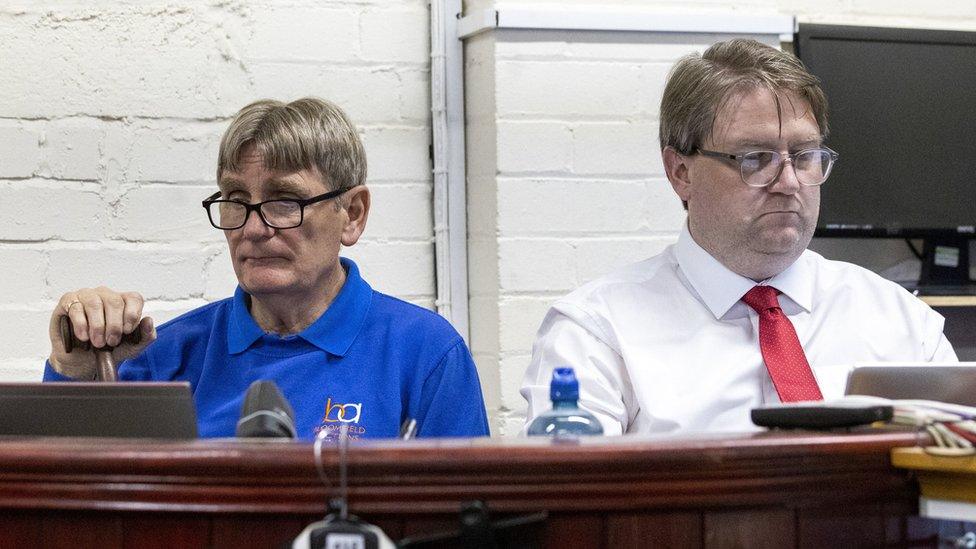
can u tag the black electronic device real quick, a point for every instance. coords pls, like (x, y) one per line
(265, 413)
(91, 409)
(477, 531)
(903, 122)
(820, 415)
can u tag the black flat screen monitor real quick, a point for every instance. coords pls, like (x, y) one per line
(119, 410)
(903, 119)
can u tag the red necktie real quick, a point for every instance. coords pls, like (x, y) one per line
(781, 349)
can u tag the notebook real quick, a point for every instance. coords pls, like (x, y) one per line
(124, 410)
(945, 382)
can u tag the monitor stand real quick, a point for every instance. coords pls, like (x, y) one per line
(945, 267)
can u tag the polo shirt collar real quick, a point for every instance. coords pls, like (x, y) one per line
(720, 288)
(333, 332)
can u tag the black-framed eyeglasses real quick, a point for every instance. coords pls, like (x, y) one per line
(762, 168)
(284, 213)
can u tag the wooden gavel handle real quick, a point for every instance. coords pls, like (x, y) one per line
(71, 342)
(106, 364)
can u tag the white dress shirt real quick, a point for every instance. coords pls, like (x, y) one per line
(666, 346)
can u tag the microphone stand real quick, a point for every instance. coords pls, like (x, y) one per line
(338, 524)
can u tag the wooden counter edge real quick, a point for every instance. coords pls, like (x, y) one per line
(950, 478)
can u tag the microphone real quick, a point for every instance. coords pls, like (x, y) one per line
(266, 413)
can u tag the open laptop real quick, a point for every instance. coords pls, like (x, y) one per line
(953, 382)
(123, 410)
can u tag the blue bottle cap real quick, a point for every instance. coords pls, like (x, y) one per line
(564, 385)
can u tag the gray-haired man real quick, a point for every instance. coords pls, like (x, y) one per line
(292, 192)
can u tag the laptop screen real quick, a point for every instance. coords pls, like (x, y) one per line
(945, 382)
(80, 409)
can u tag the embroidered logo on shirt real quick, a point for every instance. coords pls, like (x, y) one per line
(342, 413)
(337, 414)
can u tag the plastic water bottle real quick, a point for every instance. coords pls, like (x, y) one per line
(566, 419)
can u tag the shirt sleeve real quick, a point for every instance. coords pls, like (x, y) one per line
(935, 345)
(943, 351)
(565, 340)
(451, 403)
(50, 374)
(134, 369)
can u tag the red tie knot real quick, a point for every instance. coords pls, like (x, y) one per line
(762, 298)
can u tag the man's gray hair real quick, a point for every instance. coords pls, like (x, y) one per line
(304, 134)
(700, 85)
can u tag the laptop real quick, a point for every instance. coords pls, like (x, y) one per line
(79, 409)
(953, 382)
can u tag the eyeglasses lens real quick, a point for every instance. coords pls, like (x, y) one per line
(282, 214)
(761, 168)
(230, 214)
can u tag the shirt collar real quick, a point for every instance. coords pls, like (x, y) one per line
(333, 332)
(796, 282)
(720, 288)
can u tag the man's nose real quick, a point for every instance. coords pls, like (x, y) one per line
(255, 227)
(786, 182)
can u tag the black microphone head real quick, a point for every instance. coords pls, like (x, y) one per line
(266, 413)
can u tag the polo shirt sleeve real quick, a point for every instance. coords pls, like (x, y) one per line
(451, 404)
(50, 374)
(134, 369)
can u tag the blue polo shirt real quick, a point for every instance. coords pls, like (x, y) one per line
(370, 362)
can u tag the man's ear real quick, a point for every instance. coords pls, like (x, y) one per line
(676, 167)
(357, 211)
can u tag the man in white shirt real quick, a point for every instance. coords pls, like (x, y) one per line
(668, 345)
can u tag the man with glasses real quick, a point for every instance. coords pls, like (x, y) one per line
(292, 192)
(737, 313)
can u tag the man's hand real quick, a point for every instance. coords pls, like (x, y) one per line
(100, 316)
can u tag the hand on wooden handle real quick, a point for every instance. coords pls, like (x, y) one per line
(91, 330)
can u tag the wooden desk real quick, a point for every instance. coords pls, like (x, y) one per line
(948, 484)
(949, 300)
(775, 490)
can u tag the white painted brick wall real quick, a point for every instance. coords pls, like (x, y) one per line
(624, 148)
(534, 146)
(525, 206)
(23, 268)
(108, 111)
(72, 149)
(578, 187)
(110, 119)
(40, 210)
(22, 153)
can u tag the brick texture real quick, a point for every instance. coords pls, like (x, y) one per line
(110, 116)
(578, 186)
(110, 120)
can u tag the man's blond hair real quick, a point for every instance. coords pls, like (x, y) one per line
(700, 85)
(304, 134)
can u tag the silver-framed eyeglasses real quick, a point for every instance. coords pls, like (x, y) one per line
(284, 213)
(762, 168)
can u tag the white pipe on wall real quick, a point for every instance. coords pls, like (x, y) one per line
(447, 121)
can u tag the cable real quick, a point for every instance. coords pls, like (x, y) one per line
(911, 247)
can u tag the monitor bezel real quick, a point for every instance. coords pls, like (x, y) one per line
(809, 31)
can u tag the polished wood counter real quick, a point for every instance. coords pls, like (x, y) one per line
(947, 481)
(761, 490)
